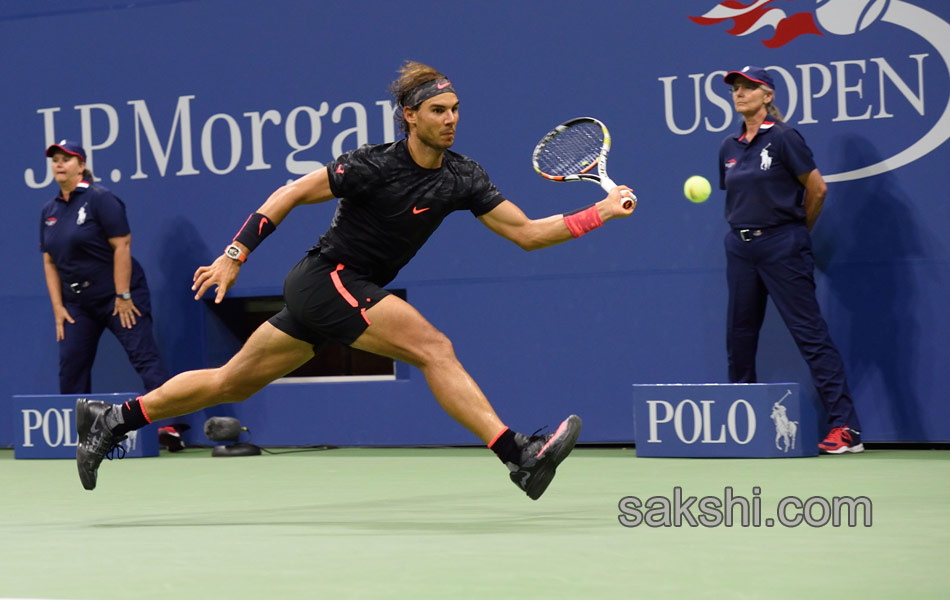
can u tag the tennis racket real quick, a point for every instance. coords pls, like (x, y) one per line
(571, 152)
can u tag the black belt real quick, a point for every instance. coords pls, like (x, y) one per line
(79, 286)
(751, 233)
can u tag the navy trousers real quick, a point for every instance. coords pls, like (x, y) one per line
(77, 351)
(779, 263)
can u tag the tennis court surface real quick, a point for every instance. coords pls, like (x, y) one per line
(447, 523)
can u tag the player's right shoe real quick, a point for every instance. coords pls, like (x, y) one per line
(540, 456)
(95, 439)
(841, 440)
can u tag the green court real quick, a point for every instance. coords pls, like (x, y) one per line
(447, 523)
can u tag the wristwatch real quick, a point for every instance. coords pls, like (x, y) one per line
(236, 253)
(124, 295)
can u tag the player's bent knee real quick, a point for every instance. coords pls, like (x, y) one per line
(232, 386)
(438, 350)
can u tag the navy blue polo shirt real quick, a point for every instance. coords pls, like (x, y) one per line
(75, 233)
(761, 177)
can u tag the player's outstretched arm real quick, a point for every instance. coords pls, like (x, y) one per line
(222, 273)
(510, 222)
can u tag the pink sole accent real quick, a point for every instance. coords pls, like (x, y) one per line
(559, 431)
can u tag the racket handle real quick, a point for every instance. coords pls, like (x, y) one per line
(625, 201)
(628, 201)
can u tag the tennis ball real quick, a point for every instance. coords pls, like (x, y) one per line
(697, 188)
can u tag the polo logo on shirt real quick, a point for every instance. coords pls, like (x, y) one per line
(730, 163)
(82, 214)
(766, 163)
(50, 221)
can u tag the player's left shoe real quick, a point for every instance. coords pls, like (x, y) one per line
(95, 439)
(540, 456)
(841, 440)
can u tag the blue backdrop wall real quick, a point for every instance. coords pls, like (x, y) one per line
(194, 111)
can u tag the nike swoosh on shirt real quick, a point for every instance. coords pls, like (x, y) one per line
(417, 211)
(339, 168)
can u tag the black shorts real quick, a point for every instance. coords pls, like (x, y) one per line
(325, 300)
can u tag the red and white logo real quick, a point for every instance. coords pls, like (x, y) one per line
(757, 15)
(842, 17)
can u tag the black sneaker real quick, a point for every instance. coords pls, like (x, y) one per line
(541, 454)
(95, 439)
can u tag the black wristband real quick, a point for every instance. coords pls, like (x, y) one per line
(255, 229)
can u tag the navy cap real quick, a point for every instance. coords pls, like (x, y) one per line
(69, 147)
(756, 74)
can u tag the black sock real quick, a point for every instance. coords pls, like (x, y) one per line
(127, 417)
(506, 447)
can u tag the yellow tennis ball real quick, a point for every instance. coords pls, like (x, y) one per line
(697, 188)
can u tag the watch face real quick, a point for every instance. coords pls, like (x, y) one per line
(233, 252)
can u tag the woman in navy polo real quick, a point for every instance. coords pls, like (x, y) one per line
(774, 194)
(94, 283)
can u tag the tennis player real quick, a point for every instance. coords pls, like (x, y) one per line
(392, 198)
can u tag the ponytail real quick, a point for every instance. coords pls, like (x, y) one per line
(775, 113)
(773, 110)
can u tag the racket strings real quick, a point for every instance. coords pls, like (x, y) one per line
(572, 151)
